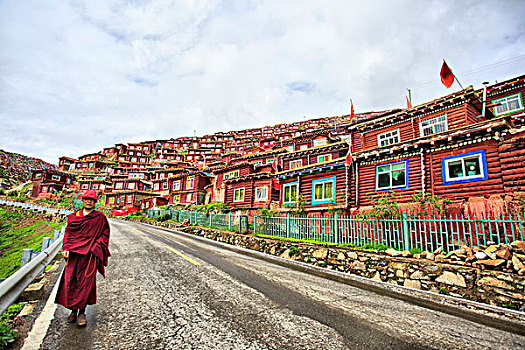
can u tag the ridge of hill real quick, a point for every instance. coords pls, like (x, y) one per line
(15, 168)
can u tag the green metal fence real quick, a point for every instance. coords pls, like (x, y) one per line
(237, 223)
(425, 233)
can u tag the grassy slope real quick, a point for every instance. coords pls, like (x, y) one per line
(19, 231)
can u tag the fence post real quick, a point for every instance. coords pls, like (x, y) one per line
(211, 219)
(336, 229)
(406, 231)
(27, 254)
(45, 243)
(255, 222)
(288, 225)
(56, 235)
(230, 220)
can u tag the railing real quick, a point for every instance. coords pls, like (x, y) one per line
(31, 265)
(39, 208)
(425, 233)
(237, 223)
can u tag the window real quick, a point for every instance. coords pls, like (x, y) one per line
(176, 199)
(433, 125)
(388, 138)
(134, 159)
(38, 176)
(238, 195)
(392, 176)
(466, 167)
(324, 158)
(94, 187)
(261, 193)
(129, 199)
(288, 148)
(303, 147)
(164, 185)
(156, 187)
(131, 186)
(118, 185)
(509, 104)
(55, 177)
(231, 174)
(189, 197)
(111, 200)
(44, 188)
(176, 185)
(290, 193)
(91, 165)
(323, 190)
(257, 163)
(190, 182)
(85, 186)
(320, 142)
(296, 163)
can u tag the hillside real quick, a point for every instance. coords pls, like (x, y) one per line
(15, 169)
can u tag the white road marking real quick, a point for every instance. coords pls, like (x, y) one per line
(38, 332)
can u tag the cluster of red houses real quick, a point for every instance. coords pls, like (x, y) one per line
(466, 146)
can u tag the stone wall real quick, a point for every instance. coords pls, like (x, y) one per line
(495, 285)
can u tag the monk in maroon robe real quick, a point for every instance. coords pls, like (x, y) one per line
(86, 250)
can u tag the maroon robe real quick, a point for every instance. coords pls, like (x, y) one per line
(87, 240)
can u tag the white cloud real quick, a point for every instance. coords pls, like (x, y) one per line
(79, 76)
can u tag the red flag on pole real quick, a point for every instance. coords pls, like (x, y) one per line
(409, 105)
(447, 77)
(348, 159)
(352, 114)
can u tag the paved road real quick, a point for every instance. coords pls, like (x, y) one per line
(167, 291)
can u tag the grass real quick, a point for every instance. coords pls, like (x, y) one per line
(7, 334)
(17, 232)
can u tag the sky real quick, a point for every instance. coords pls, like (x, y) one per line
(77, 76)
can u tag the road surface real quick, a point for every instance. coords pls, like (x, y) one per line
(169, 291)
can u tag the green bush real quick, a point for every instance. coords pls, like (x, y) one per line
(7, 335)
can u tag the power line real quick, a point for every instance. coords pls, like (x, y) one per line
(488, 67)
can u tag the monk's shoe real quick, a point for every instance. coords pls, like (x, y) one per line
(82, 320)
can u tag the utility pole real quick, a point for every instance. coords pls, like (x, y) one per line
(409, 96)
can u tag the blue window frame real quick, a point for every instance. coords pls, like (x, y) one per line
(323, 190)
(392, 176)
(466, 167)
(290, 192)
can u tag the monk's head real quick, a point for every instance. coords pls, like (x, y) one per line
(89, 199)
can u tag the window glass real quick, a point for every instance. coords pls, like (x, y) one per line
(324, 158)
(509, 104)
(296, 163)
(388, 138)
(391, 176)
(290, 193)
(176, 185)
(261, 193)
(238, 195)
(433, 125)
(190, 182)
(465, 168)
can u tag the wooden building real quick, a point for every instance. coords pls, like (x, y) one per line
(49, 181)
(189, 187)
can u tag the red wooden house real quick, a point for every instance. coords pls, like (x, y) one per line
(49, 182)
(254, 189)
(64, 163)
(189, 187)
(315, 179)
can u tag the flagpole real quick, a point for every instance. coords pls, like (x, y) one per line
(462, 88)
(410, 96)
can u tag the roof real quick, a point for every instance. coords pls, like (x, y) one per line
(324, 166)
(262, 154)
(261, 175)
(317, 149)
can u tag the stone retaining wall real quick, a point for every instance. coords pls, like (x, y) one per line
(478, 283)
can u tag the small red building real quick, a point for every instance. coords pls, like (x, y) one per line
(50, 181)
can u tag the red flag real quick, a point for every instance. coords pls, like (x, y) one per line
(275, 166)
(348, 159)
(352, 114)
(276, 184)
(447, 77)
(409, 105)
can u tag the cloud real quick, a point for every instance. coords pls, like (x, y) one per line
(81, 75)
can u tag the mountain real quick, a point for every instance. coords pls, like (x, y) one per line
(15, 168)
